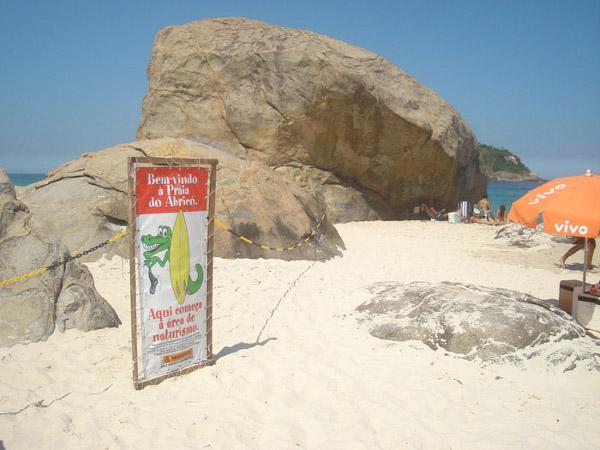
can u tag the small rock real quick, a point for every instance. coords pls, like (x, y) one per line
(521, 236)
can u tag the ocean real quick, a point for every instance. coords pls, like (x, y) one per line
(499, 192)
(23, 179)
(506, 192)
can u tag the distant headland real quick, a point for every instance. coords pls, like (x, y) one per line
(500, 164)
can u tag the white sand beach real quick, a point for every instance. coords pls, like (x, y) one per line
(316, 379)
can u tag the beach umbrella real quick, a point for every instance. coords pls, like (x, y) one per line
(569, 206)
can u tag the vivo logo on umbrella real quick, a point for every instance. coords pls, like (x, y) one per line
(543, 195)
(567, 228)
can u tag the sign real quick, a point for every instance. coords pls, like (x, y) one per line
(172, 213)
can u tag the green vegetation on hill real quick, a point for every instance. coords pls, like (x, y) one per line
(501, 164)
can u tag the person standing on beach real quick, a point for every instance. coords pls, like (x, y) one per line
(579, 244)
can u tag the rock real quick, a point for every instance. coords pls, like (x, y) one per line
(74, 209)
(513, 177)
(85, 202)
(521, 236)
(11, 209)
(293, 97)
(63, 297)
(477, 322)
(6, 187)
(500, 164)
(562, 239)
(79, 305)
(344, 203)
(20, 190)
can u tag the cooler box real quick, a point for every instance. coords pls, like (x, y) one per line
(565, 294)
(454, 217)
(586, 309)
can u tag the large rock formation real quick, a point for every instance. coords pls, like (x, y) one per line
(295, 98)
(85, 202)
(62, 298)
(477, 322)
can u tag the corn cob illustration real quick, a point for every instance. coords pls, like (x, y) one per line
(179, 261)
(176, 246)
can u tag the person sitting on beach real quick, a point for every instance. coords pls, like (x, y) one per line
(482, 212)
(501, 214)
(477, 219)
(482, 209)
(579, 244)
(486, 218)
(485, 202)
(433, 213)
(490, 221)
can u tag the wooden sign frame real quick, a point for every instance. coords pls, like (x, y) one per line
(211, 165)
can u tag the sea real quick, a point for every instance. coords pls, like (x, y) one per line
(499, 192)
(506, 192)
(23, 179)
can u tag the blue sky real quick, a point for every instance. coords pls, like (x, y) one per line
(524, 74)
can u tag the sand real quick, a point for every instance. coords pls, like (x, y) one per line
(315, 378)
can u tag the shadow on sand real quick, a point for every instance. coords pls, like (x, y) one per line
(240, 346)
(551, 301)
(579, 268)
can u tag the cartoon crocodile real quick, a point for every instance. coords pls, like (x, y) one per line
(161, 242)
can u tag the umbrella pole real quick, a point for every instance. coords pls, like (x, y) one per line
(585, 256)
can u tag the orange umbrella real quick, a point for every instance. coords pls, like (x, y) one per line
(569, 206)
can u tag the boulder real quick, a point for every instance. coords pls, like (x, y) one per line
(63, 297)
(343, 203)
(477, 322)
(6, 187)
(85, 202)
(293, 97)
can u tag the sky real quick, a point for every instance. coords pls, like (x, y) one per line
(525, 75)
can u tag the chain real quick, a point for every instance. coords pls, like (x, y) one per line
(124, 232)
(62, 262)
(247, 240)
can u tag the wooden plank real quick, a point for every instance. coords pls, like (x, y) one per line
(132, 269)
(210, 251)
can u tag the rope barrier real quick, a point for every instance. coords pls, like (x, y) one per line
(125, 231)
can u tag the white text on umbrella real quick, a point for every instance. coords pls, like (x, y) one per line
(542, 196)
